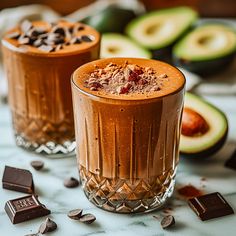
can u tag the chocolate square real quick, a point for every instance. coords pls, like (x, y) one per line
(210, 206)
(16, 179)
(25, 208)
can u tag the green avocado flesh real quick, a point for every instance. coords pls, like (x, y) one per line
(117, 45)
(206, 42)
(211, 141)
(161, 28)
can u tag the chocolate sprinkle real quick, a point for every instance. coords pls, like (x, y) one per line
(167, 222)
(87, 218)
(71, 182)
(37, 165)
(47, 226)
(75, 214)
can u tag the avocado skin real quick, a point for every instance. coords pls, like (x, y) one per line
(111, 19)
(208, 152)
(205, 67)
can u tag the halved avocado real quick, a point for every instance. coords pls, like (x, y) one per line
(204, 128)
(117, 45)
(207, 49)
(160, 29)
(111, 19)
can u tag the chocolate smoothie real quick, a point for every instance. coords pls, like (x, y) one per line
(39, 59)
(127, 123)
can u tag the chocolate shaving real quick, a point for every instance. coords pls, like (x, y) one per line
(46, 48)
(86, 38)
(13, 35)
(26, 26)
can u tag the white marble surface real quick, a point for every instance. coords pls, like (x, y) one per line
(49, 187)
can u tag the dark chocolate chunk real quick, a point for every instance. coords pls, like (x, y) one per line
(13, 35)
(231, 162)
(87, 218)
(210, 206)
(37, 165)
(25, 208)
(46, 48)
(71, 29)
(16, 179)
(59, 30)
(167, 221)
(75, 214)
(80, 28)
(47, 226)
(71, 182)
(86, 38)
(26, 26)
(24, 40)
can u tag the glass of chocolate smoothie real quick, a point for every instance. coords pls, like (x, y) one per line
(127, 124)
(39, 58)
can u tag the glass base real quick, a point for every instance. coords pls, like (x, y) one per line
(128, 196)
(50, 149)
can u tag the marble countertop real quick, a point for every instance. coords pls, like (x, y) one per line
(49, 187)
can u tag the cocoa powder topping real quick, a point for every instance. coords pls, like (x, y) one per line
(125, 79)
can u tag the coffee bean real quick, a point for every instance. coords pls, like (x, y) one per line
(13, 35)
(87, 218)
(26, 26)
(47, 226)
(167, 221)
(75, 214)
(86, 38)
(46, 48)
(71, 182)
(37, 165)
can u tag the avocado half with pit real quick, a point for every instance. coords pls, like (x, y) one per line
(117, 45)
(158, 30)
(207, 49)
(204, 128)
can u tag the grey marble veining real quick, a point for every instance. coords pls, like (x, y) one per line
(49, 187)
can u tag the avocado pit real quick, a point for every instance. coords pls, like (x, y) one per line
(193, 124)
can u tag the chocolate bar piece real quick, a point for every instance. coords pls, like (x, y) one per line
(210, 206)
(25, 208)
(18, 180)
(231, 162)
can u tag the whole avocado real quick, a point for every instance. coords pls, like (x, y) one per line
(111, 19)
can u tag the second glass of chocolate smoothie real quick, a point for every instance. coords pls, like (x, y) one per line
(39, 58)
(127, 122)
